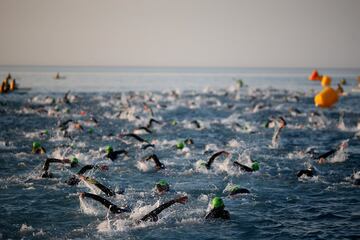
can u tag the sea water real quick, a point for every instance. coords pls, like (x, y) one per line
(280, 206)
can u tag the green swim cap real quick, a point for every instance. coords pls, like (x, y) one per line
(74, 160)
(162, 183)
(234, 188)
(203, 164)
(180, 145)
(36, 145)
(91, 130)
(240, 82)
(109, 149)
(255, 166)
(173, 122)
(217, 202)
(46, 132)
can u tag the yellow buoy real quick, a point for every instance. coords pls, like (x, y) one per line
(325, 81)
(326, 98)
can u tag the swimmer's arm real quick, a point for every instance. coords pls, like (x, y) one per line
(156, 160)
(152, 216)
(243, 167)
(325, 155)
(85, 169)
(146, 129)
(151, 121)
(104, 189)
(51, 160)
(134, 136)
(213, 157)
(109, 205)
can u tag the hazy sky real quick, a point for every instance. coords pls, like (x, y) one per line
(268, 33)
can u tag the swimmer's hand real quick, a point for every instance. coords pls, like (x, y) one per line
(82, 195)
(103, 167)
(182, 199)
(344, 144)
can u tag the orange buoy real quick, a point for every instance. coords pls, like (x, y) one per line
(2, 88)
(325, 81)
(314, 76)
(12, 85)
(326, 98)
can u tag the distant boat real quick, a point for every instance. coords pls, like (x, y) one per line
(58, 76)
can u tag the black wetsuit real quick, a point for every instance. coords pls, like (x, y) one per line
(64, 125)
(112, 207)
(196, 124)
(153, 215)
(73, 180)
(45, 170)
(151, 121)
(327, 154)
(140, 139)
(243, 167)
(146, 146)
(213, 157)
(218, 213)
(39, 150)
(308, 172)
(239, 191)
(156, 160)
(114, 154)
(144, 128)
(104, 189)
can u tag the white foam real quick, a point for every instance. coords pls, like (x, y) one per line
(26, 228)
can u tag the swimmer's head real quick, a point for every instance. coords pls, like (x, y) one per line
(234, 188)
(173, 122)
(180, 145)
(255, 166)
(74, 161)
(36, 145)
(162, 186)
(216, 203)
(109, 149)
(201, 164)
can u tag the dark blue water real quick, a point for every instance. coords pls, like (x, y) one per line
(280, 205)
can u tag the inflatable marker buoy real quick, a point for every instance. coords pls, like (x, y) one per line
(12, 85)
(2, 88)
(325, 81)
(326, 98)
(314, 76)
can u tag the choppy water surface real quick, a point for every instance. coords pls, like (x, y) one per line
(280, 205)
